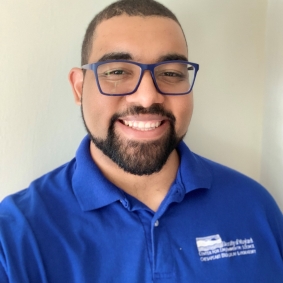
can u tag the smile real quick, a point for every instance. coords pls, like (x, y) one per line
(142, 125)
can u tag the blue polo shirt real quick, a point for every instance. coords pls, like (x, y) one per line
(73, 225)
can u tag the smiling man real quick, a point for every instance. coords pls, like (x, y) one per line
(135, 204)
(135, 127)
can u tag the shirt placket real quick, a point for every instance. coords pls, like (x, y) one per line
(163, 261)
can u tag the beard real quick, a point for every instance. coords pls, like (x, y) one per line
(135, 157)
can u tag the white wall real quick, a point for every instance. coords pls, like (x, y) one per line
(40, 127)
(227, 39)
(272, 153)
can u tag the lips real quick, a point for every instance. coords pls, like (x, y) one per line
(142, 125)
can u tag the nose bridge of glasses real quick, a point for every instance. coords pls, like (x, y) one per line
(146, 92)
(147, 69)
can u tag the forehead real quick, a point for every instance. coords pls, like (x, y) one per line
(145, 38)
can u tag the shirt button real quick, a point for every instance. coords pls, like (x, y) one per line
(125, 202)
(156, 223)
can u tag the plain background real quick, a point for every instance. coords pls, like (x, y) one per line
(238, 115)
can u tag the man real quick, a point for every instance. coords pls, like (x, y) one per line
(136, 205)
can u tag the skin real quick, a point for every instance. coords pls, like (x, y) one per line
(146, 39)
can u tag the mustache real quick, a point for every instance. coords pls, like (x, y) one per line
(155, 108)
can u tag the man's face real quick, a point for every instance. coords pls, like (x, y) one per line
(137, 131)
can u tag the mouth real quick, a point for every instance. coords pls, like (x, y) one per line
(142, 125)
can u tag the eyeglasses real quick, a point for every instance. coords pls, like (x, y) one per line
(122, 77)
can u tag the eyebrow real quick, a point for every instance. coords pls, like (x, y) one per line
(172, 56)
(116, 56)
(128, 56)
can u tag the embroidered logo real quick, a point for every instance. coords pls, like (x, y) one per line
(212, 247)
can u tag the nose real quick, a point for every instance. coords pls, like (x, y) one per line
(146, 94)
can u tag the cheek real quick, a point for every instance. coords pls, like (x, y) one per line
(98, 110)
(183, 113)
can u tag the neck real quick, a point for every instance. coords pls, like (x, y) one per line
(149, 189)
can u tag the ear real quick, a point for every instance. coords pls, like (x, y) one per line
(76, 79)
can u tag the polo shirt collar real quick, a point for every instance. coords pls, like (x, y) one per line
(193, 172)
(91, 188)
(94, 191)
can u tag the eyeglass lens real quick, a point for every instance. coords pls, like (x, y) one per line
(116, 78)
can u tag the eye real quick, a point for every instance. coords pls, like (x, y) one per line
(172, 74)
(114, 72)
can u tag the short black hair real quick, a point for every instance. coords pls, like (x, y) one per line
(141, 8)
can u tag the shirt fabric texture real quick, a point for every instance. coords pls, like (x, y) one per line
(73, 225)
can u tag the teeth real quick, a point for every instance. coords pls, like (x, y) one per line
(147, 125)
(142, 126)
